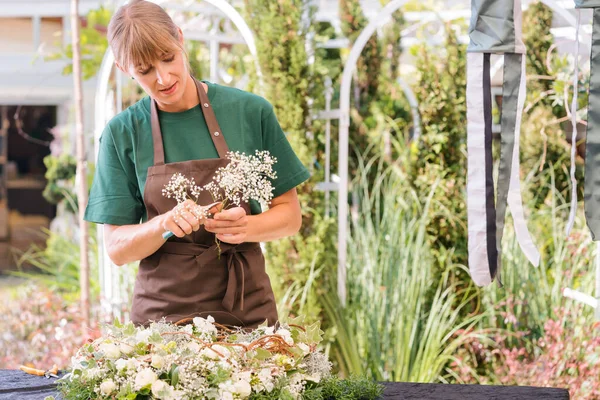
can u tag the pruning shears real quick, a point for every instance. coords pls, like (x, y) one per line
(51, 373)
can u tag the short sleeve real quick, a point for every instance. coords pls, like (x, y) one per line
(114, 197)
(290, 170)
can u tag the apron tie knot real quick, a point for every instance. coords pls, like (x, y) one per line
(235, 267)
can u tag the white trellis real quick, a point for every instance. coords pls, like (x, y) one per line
(113, 288)
(330, 185)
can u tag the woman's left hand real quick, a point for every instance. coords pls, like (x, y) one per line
(230, 226)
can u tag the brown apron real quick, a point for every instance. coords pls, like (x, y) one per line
(186, 277)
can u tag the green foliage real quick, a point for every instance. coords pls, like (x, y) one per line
(537, 20)
(296, 264)
(60, 177)
(295, 267)
(353, 388)
(376, 93)
(391, 47)
(287, 76)
(59, 266)
(284, 65)
(441, 91)
(402, 319)
(440, 152)
(233, 59)
(92, 41)
(368, 66)
(346, 389)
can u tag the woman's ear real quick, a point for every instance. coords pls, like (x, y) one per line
(180, 35)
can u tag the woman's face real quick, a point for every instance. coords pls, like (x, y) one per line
(164, 80)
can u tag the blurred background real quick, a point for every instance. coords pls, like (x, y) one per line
(412, 312)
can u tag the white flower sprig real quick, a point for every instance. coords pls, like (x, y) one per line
(181, 189)
(246, 177)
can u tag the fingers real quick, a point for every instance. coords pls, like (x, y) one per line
(217, 226)
(188, 205)
(232, 223)
(232, 214)
(232, 239)
(169, 224)
(229, 230)
(182, 220)
(187, 221)
(229, 225)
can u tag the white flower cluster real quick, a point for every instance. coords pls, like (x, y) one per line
(181, 188)
(198, 361)
(245, 177)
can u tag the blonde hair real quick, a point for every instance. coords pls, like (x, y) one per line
(140, 31)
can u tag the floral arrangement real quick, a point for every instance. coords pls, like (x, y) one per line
(203, 360)
(245, 177)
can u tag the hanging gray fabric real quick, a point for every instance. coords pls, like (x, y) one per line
(587, 3)
(592, 148)
(510, 102)
(495, 28)
(481, 211)
(573, 168)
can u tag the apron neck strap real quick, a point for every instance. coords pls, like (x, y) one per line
(211, 122)
(159, 152)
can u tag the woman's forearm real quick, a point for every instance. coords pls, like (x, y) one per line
(129, 243)
(275, 223)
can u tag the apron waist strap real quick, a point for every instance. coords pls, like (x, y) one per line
(235, 260)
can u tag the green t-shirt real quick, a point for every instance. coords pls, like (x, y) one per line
(126, 150)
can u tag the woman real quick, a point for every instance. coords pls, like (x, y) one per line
(187, 126)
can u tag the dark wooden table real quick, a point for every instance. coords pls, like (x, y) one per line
(17, 385)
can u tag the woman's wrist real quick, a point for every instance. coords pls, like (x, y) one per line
(159, 226)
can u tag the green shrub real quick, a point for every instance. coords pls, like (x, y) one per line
(402, 320)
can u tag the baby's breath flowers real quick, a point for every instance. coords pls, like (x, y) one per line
(181, 189)
(244, 178)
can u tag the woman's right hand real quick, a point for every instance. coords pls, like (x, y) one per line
(181, 220)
